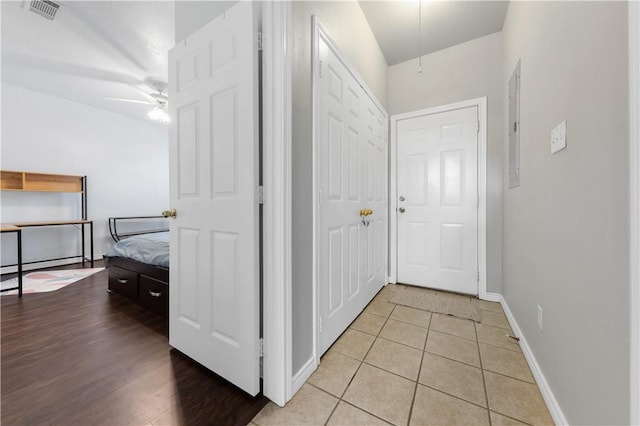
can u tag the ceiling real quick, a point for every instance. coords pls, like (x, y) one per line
(90, 51)
(94, 50)
(444, 24)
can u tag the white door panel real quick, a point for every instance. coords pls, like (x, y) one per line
(214, 291)
(351, 176)
(437, 201)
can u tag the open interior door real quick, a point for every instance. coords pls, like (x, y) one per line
(214, 280)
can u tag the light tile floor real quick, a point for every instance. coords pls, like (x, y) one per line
(403, 366)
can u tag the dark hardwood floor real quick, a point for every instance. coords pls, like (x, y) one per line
(81, 356)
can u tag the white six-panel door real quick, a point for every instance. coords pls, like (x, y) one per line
(214, 281)
(437, 205)
(352, 175)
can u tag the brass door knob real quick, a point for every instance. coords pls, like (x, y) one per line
(170, 213)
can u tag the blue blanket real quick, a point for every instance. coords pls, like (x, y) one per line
(152, 249)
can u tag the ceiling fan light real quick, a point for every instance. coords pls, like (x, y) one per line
(158, 114)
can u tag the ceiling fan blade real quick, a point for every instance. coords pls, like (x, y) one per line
(22, 60)
(144, 93)
(135, 101)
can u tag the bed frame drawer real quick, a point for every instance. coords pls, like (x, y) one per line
(124, 282)
(154, 295)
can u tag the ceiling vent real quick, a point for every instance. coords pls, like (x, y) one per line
(45, 8)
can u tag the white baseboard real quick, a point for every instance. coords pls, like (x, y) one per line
(302, 376)
(547, 394)
(46, 264)
(492, 297)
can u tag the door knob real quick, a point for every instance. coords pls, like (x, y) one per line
(401, 209)
(401, 198)
(170, 213)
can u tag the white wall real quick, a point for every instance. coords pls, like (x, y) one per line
(347, 25)
(634, 151)
(467, 71)
(125, 160)
(566, 228)
(191, 15)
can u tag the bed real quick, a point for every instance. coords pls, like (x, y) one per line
(138, 263)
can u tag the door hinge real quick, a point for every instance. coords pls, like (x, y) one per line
(320, 324)
(261, 194)
(478, 127)
(261, 347)
(478, 276)
(478, 205)
(260, 42)
(320, 69)
(320, 198)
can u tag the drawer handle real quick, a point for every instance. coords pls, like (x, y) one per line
(122, 280)
(154, 294)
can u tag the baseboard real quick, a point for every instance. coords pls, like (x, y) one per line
(547, 394)
(46, 264)
(302, 375)
(492, 297)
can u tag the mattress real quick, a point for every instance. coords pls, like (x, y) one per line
(152, 249)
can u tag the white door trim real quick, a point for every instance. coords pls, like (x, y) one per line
(481, 104)
(319, 31)
(277, 308)
(634, 210)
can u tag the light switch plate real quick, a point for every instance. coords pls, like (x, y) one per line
(559, 137)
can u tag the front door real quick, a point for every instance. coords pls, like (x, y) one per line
(437, 214)
(214, 280)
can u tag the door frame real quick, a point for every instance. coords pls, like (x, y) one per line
(277, 221)
(481, 104)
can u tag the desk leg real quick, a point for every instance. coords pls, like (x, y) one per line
(84, 258)
(91, 237)
(19, 263)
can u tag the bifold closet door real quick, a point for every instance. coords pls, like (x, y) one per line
(352, 174)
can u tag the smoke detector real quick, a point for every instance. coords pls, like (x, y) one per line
(45, 8)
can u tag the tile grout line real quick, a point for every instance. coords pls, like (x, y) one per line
(455, 335)
(415, 389)
(481, 368)
(484, 382)
(453, 396)
(424, 351)
(360, 365)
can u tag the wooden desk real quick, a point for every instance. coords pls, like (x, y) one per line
(12, 228)
(18, 226)
(46, 182)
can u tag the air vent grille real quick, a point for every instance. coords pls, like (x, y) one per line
(45, 8)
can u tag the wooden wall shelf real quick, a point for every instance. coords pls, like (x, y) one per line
(40, 182)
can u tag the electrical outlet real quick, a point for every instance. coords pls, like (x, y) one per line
(539, 318)
(559, 137)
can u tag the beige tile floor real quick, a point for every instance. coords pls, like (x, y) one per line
(403, 366)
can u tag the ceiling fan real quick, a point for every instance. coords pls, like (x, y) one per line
(157, 98)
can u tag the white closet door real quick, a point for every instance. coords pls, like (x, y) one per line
(214, 282)
(438, 201)
(374, 174)
(351, 173)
